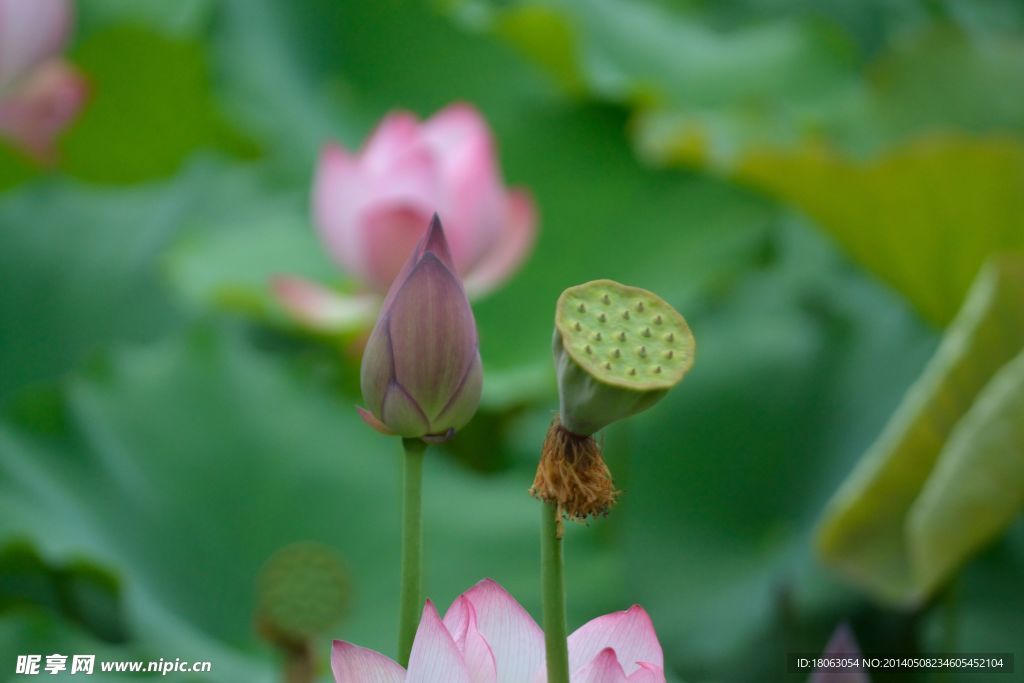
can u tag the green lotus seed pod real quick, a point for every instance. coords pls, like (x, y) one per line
(303, 591)
(618, 350)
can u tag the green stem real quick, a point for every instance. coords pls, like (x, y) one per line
(553, 587)
(411, 595)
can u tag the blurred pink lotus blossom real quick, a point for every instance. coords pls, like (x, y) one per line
(487, 637)
(40, 93)
(371, 208)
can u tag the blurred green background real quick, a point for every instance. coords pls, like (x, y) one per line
(815, 185)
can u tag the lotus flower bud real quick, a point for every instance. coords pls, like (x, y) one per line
(421, 373)
(618, 350)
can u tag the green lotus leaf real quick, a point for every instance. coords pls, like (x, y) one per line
(946, 474)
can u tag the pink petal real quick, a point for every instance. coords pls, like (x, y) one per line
(340, 190)
(630, 633)
(393, 136)
(515, 243)
(31, 31)
(435, 656)
(604, 668)
(375, 424)
(647, 673)
(409, 176)
(352, 664)
(389, 234)
(470, 182)
(461, 623)
(40, 107)
(456, 127)
(514, 637)
(338, 193)
(322, 309)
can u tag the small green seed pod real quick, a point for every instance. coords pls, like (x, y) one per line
(302, 592)
(618, 350)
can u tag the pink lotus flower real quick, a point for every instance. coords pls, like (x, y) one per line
(487, 637)
(372, 207)
(40, 94)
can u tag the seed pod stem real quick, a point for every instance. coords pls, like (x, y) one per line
(553, 594)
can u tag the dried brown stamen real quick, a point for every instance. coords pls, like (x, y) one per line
(572, 474)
